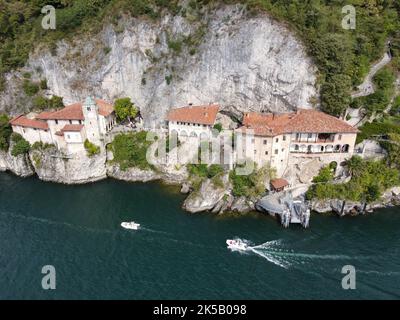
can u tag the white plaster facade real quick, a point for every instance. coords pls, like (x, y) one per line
(68, 128)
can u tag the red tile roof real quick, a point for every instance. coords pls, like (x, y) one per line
(279, 183)
(195, 114)
(302, 121)
(72, 128)
(105, 109)
(74, 111)
(23, 121)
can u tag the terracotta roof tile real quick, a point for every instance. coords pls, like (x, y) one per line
(195, 114)
(23, 121)
(74, 111)
(72, 127)
(279, 183)
(302, 121)
(71, 112)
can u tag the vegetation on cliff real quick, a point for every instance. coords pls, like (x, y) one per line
(130, 150)
(125, 109)
(343, 56)
(369, 180)
(5, 132)
(253, 184)
(20, 145)
(91, 148)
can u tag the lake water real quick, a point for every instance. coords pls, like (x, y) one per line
(177, 255)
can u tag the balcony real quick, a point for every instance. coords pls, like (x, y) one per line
(319, 149)
(320, 138)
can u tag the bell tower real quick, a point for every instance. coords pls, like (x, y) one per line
(92, 122)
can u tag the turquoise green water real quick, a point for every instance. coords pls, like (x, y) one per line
(177, 255)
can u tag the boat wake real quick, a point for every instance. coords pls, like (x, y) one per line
(274, 252)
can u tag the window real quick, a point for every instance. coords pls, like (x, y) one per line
(283, 150)
(68, 136)
(70, 121)
(88, 108)
(56, 121)
(80, 121)
(266, 153)
(255, 151)
(265, 142)
(309, 135)
(277, 140)
(253, 140)
(284, 138)
(276, 151)
(340, 137)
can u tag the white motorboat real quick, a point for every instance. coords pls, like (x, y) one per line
(130, 225)
(237, 245)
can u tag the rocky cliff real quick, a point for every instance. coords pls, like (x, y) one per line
(53, 166)
(390, 198)
(221, 55)
(20, 165)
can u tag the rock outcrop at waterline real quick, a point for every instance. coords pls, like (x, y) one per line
(20, 165)
(217, 199)
(51, 165)
(221, 55)
(390, 198)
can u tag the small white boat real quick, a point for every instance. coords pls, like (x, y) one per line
(130, 225)
(237, 245)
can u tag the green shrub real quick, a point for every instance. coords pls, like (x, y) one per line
(368, 183)
(125, 109)
(106, 50)
(252, 184)
(91, 148)
(30, 88)
(39, 145)
(325, 175)
(21, 146)
(168, 79)
(16, 137)
(40, 102)
(43, 84)
(218, 127)
(175, 45)
(5, 132)
(130, 150)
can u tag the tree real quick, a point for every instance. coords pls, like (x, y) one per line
(355, 165)
(5, 132)
(125, 109)
(91, 148)
(40, 102)
(56, 102)
(21, 146)
(218, 127)
(325, 175)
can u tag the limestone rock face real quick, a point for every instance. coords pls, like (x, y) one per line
(204, 199)
(52, 166)
(166, 174)
(242, 62)
(19, 165)
(242, 205)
